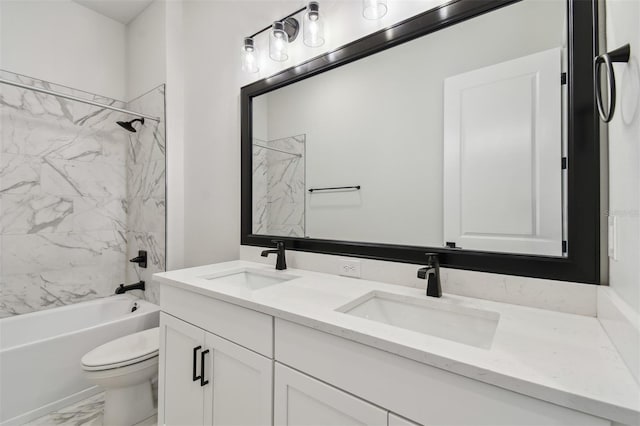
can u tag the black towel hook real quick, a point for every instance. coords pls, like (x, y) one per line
(621, 54)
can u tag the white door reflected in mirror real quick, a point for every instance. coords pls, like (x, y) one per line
(502, 159)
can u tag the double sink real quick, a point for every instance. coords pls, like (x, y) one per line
(429, 316)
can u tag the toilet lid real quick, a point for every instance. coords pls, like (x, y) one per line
(124, 351)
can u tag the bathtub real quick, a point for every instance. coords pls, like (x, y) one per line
(40, 352)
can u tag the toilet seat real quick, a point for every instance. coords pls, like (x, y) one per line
(124, 351)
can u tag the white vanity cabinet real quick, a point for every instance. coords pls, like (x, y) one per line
(207, 380)
(261, 370)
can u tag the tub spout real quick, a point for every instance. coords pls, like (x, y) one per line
(124, 288)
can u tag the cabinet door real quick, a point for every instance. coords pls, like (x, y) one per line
(240, 386)
(180, 397)
(300, 400)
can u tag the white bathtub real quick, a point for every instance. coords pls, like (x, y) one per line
(40, 352)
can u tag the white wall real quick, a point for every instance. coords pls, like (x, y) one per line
(64, 43)
(175, 110)
(378, 122)
(619, 304)
(211, 130)
(146, 50)
(623, 26)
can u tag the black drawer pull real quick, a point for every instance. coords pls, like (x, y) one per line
(202, 380)
(195, 361)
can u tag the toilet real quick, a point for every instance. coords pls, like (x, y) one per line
(124, 368)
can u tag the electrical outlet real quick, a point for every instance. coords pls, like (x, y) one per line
(349, 268)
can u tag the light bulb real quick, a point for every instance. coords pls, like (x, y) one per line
(374, 9)
(313, 35)
(249, 56)
(278, 42)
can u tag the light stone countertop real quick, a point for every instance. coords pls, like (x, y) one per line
(561, 358)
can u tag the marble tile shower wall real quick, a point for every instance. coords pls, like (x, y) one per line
(63, 207)
(279, 186)
(260, 212)
(63, 198)
(146, 192)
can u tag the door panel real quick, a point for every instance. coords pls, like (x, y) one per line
(241, 385)
(300, 400)
(503, 156)
(181, 399)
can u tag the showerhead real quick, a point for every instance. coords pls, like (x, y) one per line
(128, 125)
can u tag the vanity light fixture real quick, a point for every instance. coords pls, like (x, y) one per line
(278, 42)
(313, 31)
(249, 56)
(282, 33)
(374, 9)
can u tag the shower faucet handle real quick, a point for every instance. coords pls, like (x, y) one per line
(141, 259)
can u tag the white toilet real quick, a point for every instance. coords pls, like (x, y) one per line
(124, 368)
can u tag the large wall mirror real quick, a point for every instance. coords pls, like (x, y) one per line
(454, 135)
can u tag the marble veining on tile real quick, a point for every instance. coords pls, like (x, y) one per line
(279, 186)
(146, 193)
(78, 196)
(88, 412)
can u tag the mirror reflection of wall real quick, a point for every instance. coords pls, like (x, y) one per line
(379, 123)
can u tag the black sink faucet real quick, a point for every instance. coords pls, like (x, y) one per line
(431, 272)
(281, 261)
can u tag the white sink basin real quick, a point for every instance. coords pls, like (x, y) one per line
(437, 318)
(252, 279)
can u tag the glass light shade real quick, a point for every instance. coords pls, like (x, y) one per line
(278, 43)
(249, 56)
(313, 28)
(374, 9)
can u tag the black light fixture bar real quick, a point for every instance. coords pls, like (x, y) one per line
(279, 20)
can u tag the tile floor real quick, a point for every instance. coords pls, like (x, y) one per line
(87, 412)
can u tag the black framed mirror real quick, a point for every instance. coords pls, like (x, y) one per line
(562, 220)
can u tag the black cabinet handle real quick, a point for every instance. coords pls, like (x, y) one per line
(202, 380)
(195, 361)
